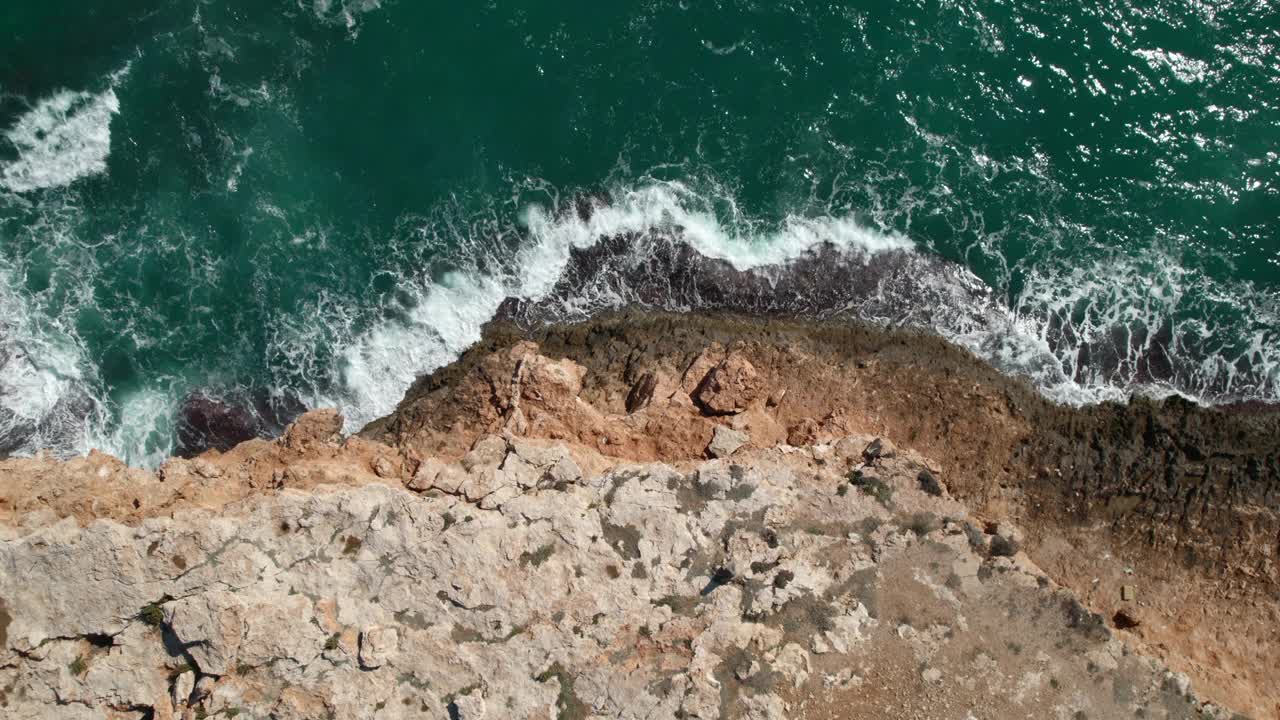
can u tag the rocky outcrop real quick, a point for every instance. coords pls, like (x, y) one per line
(511, 584)
(1178, 500)
(885, 527)
(726, 441)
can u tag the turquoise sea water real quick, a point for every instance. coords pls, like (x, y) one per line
(325, 198)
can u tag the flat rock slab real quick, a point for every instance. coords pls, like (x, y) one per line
(511, 585)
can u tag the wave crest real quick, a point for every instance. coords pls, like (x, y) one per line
(65, 137)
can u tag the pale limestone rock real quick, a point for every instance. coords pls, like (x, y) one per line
(847, 630)
(726, 441)
(129, 673)
(765, 707)
(506, 585)
(210, 626)
(266, 639)
(206, 469)
(488, 452)
(793, 662)
(183, 686)
(377, 646)
(470, 706)
(1178, 682)
(434, 474)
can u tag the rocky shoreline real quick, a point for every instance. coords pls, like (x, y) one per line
(665, 515)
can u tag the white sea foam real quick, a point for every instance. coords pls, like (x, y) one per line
(1221, 343)
(378, 365)
(65, 137)
(49, 395)
(346, 12)
(143, 434)
(45, 396)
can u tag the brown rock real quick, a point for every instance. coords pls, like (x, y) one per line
(318, 427)
(697, 371)
(803, 433)
(551, 385)
(384, 468)
(730, 387)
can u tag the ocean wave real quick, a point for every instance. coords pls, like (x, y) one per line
(446, 316)
(51, 398)
(63, 138)
(46, 387)
(1081, 334)
(1080, 338)
(1119, 323)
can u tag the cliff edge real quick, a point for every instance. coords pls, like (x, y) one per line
(651, 515)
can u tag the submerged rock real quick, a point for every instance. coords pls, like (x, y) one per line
(209, 421)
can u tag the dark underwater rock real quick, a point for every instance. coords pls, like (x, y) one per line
(208, 421)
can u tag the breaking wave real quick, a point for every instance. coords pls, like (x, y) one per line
(65, 137)
(1081, 335)
(46, 397)
(444, 317)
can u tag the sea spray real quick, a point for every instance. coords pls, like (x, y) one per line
(65, 137)
(323, 200)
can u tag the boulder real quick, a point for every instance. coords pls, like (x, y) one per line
(701, 366)
(211, 420)
(183, 686)
(384, 468)
(469, 706)
(208, 423)
(729, 388)
(929, 483)
(726, 441)
(806, 432)
(548, 383)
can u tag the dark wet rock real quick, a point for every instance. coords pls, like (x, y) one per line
(15, 432)
(207, 421)
(661, 271)
(873, 451)
(641, 392)
(929, 483)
